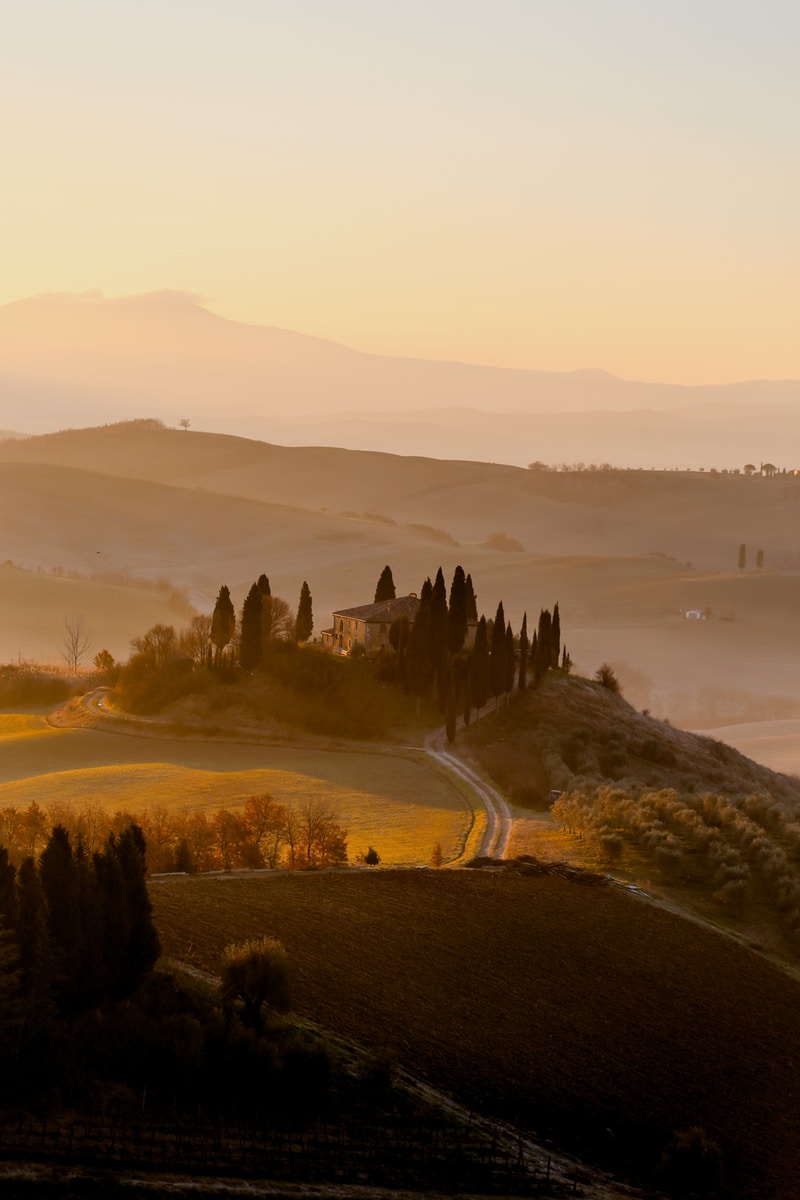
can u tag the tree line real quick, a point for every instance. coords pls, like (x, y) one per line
(262, 833)
(465, 660)
(75, 931)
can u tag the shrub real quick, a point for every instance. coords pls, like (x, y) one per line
(607, 678)
(256, 973)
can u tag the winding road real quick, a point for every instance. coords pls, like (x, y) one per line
(499, 821)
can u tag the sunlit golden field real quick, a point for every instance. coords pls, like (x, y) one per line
(19, 725)
(396, 803)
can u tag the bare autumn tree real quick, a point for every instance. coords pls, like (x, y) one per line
(157, 645)
(75, 642)
(194, 640)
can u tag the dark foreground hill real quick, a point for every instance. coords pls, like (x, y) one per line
(578, 1010)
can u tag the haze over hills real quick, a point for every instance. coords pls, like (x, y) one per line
(72, 360)
(623, 552)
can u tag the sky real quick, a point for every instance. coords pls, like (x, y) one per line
(608, 184)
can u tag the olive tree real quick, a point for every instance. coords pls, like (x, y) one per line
(256, 973)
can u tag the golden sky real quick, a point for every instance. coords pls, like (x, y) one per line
(610, 185)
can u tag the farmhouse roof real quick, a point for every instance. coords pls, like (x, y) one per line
(383, 611)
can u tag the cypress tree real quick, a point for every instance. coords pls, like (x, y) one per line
(438, 638)
(471, 601)
(223, 622)
(113, 929)
(555, 637)
(438, 621)
(543, 660)
(250, 629)
(522, 682)
(742, 556)
(510, 665)
(457, 612)
(263, 585)
(418, 669)
(497, 661)
(142, 946)
(304, 622)
(59, 879)
(479, 667)
(385, 589)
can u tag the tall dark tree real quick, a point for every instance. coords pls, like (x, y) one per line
(250, 629)
(522, 681)
(59, 878)
(555, 637)
(304, 622)
(223, 622)
(497, 660)
(142, 942)
(742, 556)
(263, 585)
(439, 619)
(384, 589)
(543, 657)
(438, 638)
(471, 602)
(457, 611)
(419, 673)
(510, 664)
(479, 667)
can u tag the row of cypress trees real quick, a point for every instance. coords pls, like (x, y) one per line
(433, 651)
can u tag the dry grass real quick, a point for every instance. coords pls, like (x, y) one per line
(581, 1011)
(396, 802)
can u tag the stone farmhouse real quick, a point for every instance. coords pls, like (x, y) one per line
(367, 625)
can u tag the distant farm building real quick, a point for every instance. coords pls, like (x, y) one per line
(694, 614)
(368, 625)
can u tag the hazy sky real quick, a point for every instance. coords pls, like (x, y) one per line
(604, 183)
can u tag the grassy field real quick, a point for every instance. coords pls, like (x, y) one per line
(583, 1012)
(397, 801)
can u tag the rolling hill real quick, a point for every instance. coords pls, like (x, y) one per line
(111, 359)
(624, 552)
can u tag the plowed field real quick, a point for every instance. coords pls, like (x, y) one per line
(583, 1012)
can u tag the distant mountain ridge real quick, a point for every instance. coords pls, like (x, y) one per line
(70, 360)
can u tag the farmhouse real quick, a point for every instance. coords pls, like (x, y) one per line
(368, 625)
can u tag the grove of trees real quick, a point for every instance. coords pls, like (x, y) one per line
(260, 833)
